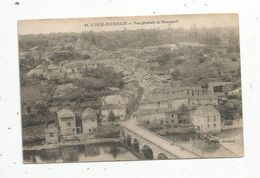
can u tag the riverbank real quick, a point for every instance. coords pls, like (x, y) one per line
(72, 143)
(111, 151)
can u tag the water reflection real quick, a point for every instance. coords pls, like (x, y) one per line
(79, 153)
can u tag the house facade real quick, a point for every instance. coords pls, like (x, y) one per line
(235, 92)
(51, 132)
(118, 111)
(115, 104)
(89, 121)
(67, 122)
(161, 116)
(38, 71)
(206, 119)
(220, 87)
(203, 100)
(184, 91)
(55, 72)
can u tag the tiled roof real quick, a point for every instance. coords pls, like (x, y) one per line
(219, 83)
(160, 98)
(114, 99)
(203, 97)
(65, 113)
(206, 110)
(113, 106)
(154, 111)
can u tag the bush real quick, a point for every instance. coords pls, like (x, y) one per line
(178, 61)
(201, 59)
(233, 59)
(176, 74)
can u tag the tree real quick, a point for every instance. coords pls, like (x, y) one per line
(211, 39)
(183, 110)
(111, 117)
(176, 74)
(28, 109)
(231, 110)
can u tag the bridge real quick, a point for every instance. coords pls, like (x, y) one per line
(152, 145)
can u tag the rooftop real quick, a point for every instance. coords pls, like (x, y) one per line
(219, 83)
(171, 89)
(159, 98)
(65, 113)
(89, 113)
(154, 111)
(114, 99)
(113, 106)
(207, 110)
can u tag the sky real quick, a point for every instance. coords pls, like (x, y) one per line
(46, 26)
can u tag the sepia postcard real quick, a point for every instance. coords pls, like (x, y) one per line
(130, 88)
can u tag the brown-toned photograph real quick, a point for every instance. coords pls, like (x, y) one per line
(130, 88)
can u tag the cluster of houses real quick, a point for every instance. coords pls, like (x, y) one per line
(122, 103)
(66, 127)
(70, 69)
(162, 106)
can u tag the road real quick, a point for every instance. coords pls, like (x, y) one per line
(156, 139)
(147, 81)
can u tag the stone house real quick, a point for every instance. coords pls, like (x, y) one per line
(89, 121)
(235, 92)
(90, 64)
(51, 132)
(161, 116)
(55, 72)
(67, 122)
(184, 91)
(38, 71)
(206, 119)
(164, 102)
(119, 111)
(116, 104)
(203, 100)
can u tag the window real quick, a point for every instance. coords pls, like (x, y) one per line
(172, 121)
(218, 89)
(73, 130)
(208, 119)
(147, 122)
(215, 125)
(161, 121)
(92, 120)
(68, 124)
(89, 130)
(208, 126)
(215, 119)
(51, 134)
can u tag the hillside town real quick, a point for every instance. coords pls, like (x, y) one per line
(76, 92)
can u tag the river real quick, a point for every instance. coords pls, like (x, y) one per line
(79, 153)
